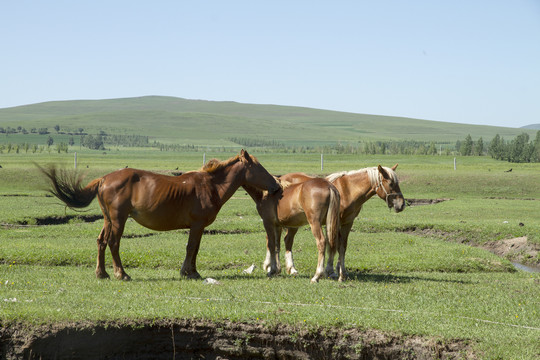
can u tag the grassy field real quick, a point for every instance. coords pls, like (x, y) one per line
(213, 123)
(411, 273)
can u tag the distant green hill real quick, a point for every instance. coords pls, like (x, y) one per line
(181, 121)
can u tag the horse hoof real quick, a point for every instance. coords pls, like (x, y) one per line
(123, 277)
(102, 276)
(192, 275)
(333, 276)
(315, 280)
(293, 272)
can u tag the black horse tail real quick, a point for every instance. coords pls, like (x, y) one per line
(67, 187)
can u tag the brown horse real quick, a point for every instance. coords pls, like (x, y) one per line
(314, 202)
(161, 202)
(355, 188)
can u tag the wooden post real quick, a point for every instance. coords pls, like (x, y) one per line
(204, 158)
(75, 160)
(322, 162)
(454, 164)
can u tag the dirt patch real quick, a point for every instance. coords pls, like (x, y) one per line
(193, 339)
(516, 249)
(419, 202)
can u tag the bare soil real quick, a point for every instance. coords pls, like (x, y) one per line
(197, 339)
(517, 249)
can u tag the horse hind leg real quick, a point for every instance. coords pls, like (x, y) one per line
(116, 231)
(101, 273)
(330, 261)
(317, 231)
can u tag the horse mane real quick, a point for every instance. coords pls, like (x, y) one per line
(283, 183)
(214, 165)
(372, 172)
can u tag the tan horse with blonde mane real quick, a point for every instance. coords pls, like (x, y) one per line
(314, 202)
(160, 202)
(355, 188)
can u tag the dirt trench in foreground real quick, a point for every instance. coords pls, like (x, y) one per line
(194, 339)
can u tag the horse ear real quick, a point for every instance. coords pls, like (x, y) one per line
(244, 155)
(383, 172)
(394, 167)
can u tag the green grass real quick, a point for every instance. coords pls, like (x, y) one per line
(402, 279)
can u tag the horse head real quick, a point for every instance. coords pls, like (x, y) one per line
(388, 188)
(256, 175)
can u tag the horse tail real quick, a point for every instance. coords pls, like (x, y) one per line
(332, 218)
(67, 187)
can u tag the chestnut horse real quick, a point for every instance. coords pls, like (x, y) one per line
(161, 202)
(314, 202)
(355, 188)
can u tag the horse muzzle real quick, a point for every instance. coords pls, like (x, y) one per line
(396, 201)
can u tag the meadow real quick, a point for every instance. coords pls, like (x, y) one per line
(415, 273)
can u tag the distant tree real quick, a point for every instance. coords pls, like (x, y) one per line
(520, 150)
(535, 156)
(496, 148)
(479, 148)
(71, 141)
(57, 128)
(432, 150)
(50, 141)
(467, 146)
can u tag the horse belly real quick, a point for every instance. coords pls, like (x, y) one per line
(293, 220)
(161, 222)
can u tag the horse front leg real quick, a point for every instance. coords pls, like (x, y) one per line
(268, 260)
(289, 261)
(273, 236)
(189, 268)
(344, 231)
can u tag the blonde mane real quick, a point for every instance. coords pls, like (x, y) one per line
(372, 172)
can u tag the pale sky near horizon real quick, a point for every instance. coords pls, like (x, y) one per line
(475, 62)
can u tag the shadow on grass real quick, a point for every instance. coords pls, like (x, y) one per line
(396, 279)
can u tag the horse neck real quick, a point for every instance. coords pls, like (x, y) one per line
(227, 180)
(359, 187)
(255, 193)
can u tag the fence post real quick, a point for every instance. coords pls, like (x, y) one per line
(322, 162)
(454, 164)
(75, 160)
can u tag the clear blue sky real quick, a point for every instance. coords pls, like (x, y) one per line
(475, 62)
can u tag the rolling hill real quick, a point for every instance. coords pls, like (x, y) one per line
(182, 121)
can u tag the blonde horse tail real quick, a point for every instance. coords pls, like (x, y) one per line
(332, 218)
(67, 187)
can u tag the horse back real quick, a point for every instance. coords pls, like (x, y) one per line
(295, 178)
(304, 202)
(159, 202)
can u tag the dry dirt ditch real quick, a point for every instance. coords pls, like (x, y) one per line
(195, 339)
